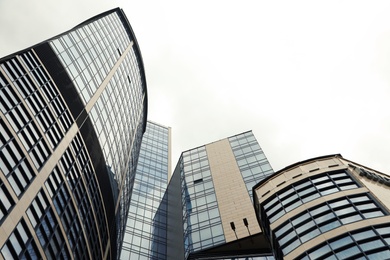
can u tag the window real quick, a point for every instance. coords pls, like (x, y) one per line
(201, 216)
(46, 227)
(369, 242)
(20, 244)
(306, 190)
(6, 202)
(324, 217)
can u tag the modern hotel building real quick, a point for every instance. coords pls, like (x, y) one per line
(72, 115)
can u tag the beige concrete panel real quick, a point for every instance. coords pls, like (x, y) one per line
(379, 190)
(232, 196)
(309, 166)
(297, 174)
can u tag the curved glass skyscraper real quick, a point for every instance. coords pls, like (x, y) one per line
(72, 112)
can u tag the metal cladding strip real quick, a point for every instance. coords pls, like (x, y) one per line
(105, 82)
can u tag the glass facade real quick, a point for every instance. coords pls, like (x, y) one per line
(46, 227)
(251, 159)
(90, 54)
(33, 115)
(201, 219)
(72, 115)
(323, 218)
(30, 82)
(247, 258)
(307, 190)
(367, 243)
(146, 227)
(202, 222)
(302, 218)
(81, 179)
(20, 244)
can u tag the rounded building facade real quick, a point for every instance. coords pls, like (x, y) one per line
(72, 114)
(325, 208)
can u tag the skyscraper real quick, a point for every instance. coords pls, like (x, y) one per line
(325, 208)
(210, 212)
(145, 235)
(73, 112)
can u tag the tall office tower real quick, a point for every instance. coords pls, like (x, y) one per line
(145, 230)
(73, 112)
(326, 208)
(210, 211)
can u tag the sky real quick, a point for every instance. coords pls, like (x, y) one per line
(309, 78)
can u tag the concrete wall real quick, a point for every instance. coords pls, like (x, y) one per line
(232, 195)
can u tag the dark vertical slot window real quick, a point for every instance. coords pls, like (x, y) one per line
(46, 227)
(20, 244)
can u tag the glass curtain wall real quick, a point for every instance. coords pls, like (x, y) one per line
(145, 234)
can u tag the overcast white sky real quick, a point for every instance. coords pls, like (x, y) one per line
(310, 78)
